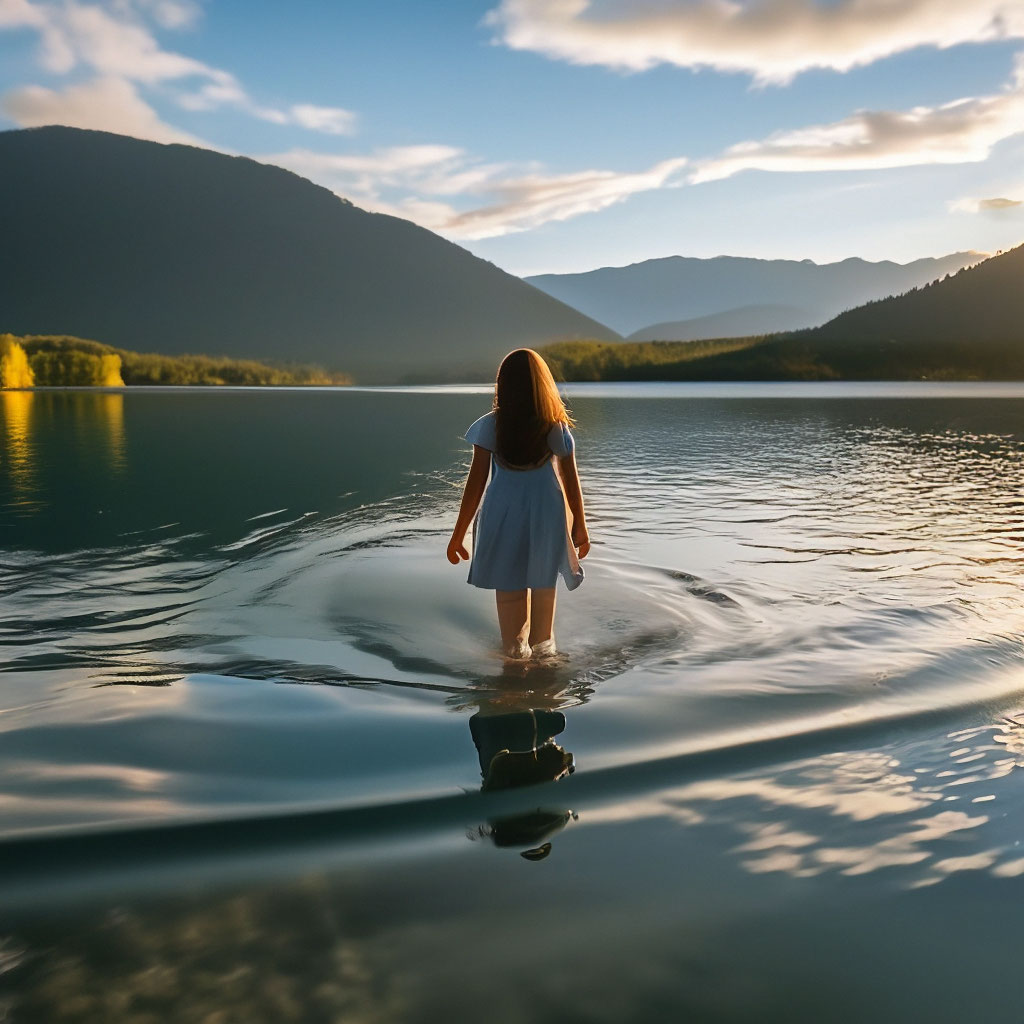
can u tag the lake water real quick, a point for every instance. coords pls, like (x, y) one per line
(246, 709)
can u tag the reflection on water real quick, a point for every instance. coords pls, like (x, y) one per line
(18, 454)
(192, 961)
(100, 415)
(909, 809)
(87, 426)
(516, 749)
(781, 878)
(219, 608)
(760, 567)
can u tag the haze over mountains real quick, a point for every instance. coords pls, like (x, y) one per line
(969, 326)
(733, 323)
(966, 327)
(680, 298)
(980, 307)
(175, 249)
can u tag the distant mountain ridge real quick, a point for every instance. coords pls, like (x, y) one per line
(969, 326)
(734, 323)
(671, 293)
(981, 306)
(175, 249)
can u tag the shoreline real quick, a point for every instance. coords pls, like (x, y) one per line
(905, 389)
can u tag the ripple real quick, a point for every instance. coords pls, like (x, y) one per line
(754, 564)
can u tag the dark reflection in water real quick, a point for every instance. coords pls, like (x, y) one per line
(515, 749)
(94, 469)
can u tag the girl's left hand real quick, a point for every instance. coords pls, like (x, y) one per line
(457, 551)
(581, 541)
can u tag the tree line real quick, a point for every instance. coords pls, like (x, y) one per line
(798, 355)
(64, 361)
(635, 360)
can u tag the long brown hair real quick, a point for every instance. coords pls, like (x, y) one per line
(527, 405)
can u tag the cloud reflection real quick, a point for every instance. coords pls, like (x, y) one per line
(859, 812)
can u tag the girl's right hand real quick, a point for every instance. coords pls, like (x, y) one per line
(457, 551)
(581, 541)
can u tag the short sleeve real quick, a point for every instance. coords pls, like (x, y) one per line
(483, 432)
(560, 440)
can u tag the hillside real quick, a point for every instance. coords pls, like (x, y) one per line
(174, 249)
(983, 304)
(663, 291)
(734, 323)
(966, 327)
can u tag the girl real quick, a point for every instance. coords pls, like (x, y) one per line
(531, 528)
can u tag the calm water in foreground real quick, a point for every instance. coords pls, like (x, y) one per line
(245, 704)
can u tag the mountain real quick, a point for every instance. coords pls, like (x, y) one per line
(679, 288)
(969, 326)
(980, 304)
(734, 323)
(175, 249)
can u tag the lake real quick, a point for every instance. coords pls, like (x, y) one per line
(249, 713)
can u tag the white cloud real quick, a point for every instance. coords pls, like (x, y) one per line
(773, 40)
(20, 14)
(998, 206)
(368, 175)
(89, 34)
(115, 41)
(170, 14)
(414, 181)
(55, 54)
(447, 190)
(961, 132)
(105, 104)
(228, 93)
(530, 201)
(329, 120)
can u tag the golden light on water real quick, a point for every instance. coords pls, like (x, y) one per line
(17, 453)
(98, 416)
(109, 415)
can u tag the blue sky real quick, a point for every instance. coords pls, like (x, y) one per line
(561, 135)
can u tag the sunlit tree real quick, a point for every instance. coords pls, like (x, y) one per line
(15, 371)
(62, 361)
(110, 372)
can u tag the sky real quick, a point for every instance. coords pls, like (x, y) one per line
(564, 135)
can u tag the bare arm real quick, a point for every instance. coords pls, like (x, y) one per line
(574, 496)
(474, 491)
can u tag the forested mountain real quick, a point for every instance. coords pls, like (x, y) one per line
(174, 249)
(983, 304)
(663, 292)
(969, 326)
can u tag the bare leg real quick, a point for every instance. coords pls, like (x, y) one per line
(542, 615)
(513, 617)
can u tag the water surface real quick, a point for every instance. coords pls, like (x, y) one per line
(247, 705)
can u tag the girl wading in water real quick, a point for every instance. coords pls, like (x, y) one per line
(522, 538)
